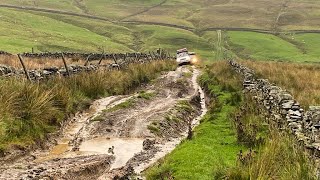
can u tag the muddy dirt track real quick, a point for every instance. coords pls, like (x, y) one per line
(119, 136)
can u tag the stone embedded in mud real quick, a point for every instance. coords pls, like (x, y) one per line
(148, 144)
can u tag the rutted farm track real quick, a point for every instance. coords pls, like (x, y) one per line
(119, 135)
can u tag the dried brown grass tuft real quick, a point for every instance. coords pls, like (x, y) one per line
(302, 80)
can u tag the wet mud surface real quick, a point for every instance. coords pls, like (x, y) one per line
(119, 135)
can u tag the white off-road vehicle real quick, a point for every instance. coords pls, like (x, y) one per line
(184, 57)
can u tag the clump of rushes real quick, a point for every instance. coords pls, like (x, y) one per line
(30, 110)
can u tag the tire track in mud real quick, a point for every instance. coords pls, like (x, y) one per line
(84, 146)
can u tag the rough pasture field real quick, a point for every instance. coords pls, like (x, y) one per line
(283, 47)
(184, 23)
(265, 14)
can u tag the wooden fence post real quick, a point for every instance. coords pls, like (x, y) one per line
(155, 56)
(102, 57)
(125, 57)
(24, 68)
(87, 61)
(114, 58)
(151, 56)
(65, 64)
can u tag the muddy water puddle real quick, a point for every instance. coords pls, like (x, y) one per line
(63, 148)
(124, 148)
(76, 140)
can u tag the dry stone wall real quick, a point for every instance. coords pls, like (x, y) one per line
(5, 53)
(120, 60)
(39, 74)
(280, 107)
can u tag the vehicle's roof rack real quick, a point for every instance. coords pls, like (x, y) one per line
(182, 50)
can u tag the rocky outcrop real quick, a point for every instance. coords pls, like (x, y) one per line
(280, 107)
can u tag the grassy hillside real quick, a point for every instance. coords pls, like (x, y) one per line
(20, 31)
(56, 32)
(294, 14)
(258, 46)
(52, 32)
